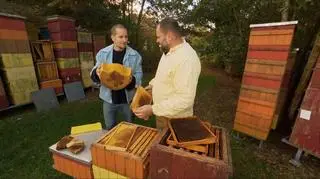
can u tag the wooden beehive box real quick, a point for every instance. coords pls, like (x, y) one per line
(132, 160)
(173, 162)
(76, 165)
(42, 50)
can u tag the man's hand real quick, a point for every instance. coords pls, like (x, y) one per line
(143, 112)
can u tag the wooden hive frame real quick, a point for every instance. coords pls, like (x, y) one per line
(166, 160)
(132, 162)
(208, 140)
(141, 97)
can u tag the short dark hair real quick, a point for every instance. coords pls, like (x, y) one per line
(170, 24)
(115, 27)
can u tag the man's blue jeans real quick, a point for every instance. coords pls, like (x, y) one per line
(110, 113)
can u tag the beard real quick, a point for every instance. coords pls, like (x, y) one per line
(164, 47)
(165, 50)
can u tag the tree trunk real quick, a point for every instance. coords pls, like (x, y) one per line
(139, 22)
(285, 11)
(123, 7)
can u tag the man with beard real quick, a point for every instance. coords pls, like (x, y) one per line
(174, 85)
(119, 52)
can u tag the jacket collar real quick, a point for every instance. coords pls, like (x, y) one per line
(129, 50)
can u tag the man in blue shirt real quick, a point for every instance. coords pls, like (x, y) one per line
(119, 52)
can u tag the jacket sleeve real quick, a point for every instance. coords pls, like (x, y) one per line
(138, 74)
(93, 74)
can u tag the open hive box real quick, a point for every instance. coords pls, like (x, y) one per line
(192, 161)
(124, 151)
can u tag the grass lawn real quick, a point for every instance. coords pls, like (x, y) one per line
(25, 138)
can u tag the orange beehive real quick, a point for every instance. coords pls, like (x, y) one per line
(47, 71)
(71, 167)
(267, 58)
(55, 84)
(76, 165)
(131, 161)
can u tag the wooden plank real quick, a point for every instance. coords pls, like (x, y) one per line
(13, 34)
(137, 141)
(270, 47)
(304, 80)
(197, 148)
(253, 94)
(255, 109)
(146, 143)
(268, 55)
(136, 135)
(271, 39)
(261, 82)
(139, 170)
(254, 121)
(272, 32)
(257, 102)
(130, 167)
(264, 69)
(101, 162)
(260, 89)
(120, 164)
(217, 145)
(140, 144)
(266, 62)
(110, 161)
(251, 131)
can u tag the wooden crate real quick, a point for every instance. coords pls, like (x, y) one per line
(99, 42)
(64, 44)
(173, 162)
(85, 47)
(42, 50)
(72, 168)
(3, 96)
(47, 71)
(84, 37)
(64, 63)
(86, 79)
(66, 53)
(132, 163)
(55, 84)
(68, 35)
(58, 23)
(13, 60)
